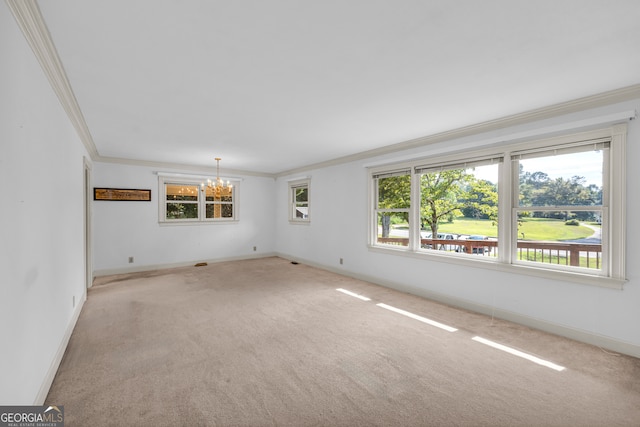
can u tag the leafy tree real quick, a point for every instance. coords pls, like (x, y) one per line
(537, 189)
(531, 184)
(394, 192)
(482, 200)
(442, 196)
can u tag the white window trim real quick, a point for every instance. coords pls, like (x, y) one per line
(167, 178)
(614, 237)
(292, 185)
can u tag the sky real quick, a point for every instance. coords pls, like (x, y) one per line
(586, 164)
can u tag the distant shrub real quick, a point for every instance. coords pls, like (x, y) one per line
(572, 222)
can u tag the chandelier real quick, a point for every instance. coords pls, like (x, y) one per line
(218, 187)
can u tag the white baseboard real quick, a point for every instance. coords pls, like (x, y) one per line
(543, 325)
(142, 268)
(55, 363)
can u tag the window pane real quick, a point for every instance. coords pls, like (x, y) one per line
(394, 192)
(182, 192)
(301, 210)
(301, 194)
(182, 210)
(393, 228)
(460, 208)
(223, 194)
(562, 238)
(573, 179)
(211, 210)
(227, 211)
(219, 210)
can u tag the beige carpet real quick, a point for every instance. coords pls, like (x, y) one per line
(264, 342)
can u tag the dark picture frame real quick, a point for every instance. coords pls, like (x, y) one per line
(121, 194)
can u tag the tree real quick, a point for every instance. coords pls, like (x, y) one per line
(566, 192)
(441, 195)
(394, 192)
(482, 200)
(531, 184)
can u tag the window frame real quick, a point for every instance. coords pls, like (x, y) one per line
(401, 171)
(467, 163)
(612, 275)
(545, 151)
(294, 185)
(202, 203)
(196, 202)
(221, 203)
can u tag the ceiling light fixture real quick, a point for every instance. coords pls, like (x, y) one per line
(217, 186)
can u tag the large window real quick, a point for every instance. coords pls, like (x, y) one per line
(558, 213)
(552, 206)
(184, 200)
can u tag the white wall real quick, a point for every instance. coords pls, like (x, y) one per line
(41, 222)
(338, 229)
(131, 229)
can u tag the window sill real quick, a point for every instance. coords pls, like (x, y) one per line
(183, 223)
(299, 222)
(494, 264)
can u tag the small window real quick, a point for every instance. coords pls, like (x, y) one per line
(299, 201)
(186, 200)
(392, 206)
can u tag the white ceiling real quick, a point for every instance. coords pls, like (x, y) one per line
(274, 85)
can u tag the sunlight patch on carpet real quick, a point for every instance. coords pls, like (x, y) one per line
(353, 294)
(420, 318)
(519, 354)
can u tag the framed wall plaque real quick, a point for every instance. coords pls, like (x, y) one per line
(122, 194)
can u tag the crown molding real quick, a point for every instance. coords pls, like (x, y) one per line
(29, 19)
(181, 167)
(594, 101)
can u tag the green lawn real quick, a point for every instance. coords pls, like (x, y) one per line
(533, 229)
(469, 226)
(547, 229)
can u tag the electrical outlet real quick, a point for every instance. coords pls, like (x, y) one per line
(130, 260)
(255, 248)
(341, 261)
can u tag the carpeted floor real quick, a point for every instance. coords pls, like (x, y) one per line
(265, 342)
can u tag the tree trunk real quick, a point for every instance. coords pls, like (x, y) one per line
(386, 225)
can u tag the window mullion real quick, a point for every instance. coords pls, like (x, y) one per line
(202, 203)
(506, 193)
(414, 213)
